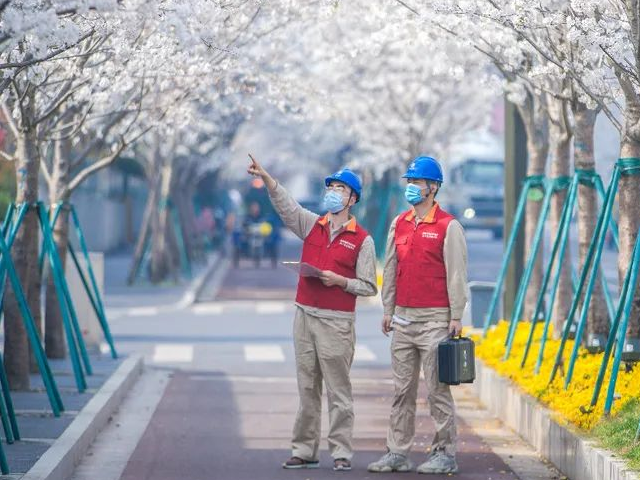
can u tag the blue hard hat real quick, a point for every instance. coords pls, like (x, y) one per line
(424, 167)
(347, 177)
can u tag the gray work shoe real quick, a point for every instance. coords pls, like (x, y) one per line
(391, 462)
(439, 462)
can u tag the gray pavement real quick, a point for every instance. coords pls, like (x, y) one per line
(39, 428)
(219, 396)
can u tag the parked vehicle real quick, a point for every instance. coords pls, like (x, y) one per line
(473, 189)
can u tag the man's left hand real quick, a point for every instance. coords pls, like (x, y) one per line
(330, 279)
(455, 327)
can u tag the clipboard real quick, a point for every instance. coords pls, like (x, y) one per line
(303, 269)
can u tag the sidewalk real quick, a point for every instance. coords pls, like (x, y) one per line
(38, 427)
(119, 295)
(221, 427)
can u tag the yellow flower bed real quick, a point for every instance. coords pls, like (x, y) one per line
(566, 403)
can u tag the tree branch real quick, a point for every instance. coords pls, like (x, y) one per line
(34, 61)
(10, 121)
(6, 156)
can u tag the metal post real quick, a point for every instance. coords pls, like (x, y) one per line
(43, 365)
(634, 267)
(54, 220)
(524, 282)
(565, 217)
(8, 401)
(22, 211)
(613, 330)
(85, 252)
(598, 237)
(612, 223)
(514, 232)
(515, 168)
(72, 329)
(4, 466)
(611, 192)
(97, 308)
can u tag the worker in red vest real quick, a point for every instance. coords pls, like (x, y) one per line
(424, 294)
(323, 332)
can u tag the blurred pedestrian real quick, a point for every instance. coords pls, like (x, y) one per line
(424, 295)
(323, 333)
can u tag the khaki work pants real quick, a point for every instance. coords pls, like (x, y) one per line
(324, 351)
(414, 345)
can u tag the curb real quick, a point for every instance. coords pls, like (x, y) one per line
(212, 278)
(574, 456)
(60, 460)
(197, 285)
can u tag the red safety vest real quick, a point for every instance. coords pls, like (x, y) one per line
(421, 278)
(339, 256)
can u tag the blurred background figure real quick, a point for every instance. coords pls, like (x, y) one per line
(258, 234)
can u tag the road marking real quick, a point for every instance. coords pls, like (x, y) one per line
(266, 308)
(364, 354)
(173, 353)
(143, 311)
(207, 309)
(263, 353)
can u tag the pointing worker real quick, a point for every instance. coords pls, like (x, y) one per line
(424, 295)
(323, 330)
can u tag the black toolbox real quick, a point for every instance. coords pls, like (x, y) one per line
(456, 361)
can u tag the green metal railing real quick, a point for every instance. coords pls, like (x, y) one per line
(531, 182)
(552, 187)
(8, 268)
(79, 357)
(77, 348)
(581, 177)
(92, 291)
(590, 270)
(618, 328)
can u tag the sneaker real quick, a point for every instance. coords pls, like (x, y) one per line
(298, 463)
(341, 465)
(391, 462)
(438, 462)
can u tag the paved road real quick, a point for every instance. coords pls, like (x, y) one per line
(218, 398)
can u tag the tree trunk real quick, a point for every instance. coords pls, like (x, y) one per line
(55, 344)
(33, 296)
(560, 167)
(629, 198)
(24, 253)
(161, 265)
(145, 227)
(537, 150)
(588, 210)
(536, 166)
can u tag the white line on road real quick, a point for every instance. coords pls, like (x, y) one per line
(143, 311)
(207, 309)
(173, 353)
(266, 308)
(263, 353)
(364, 354)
